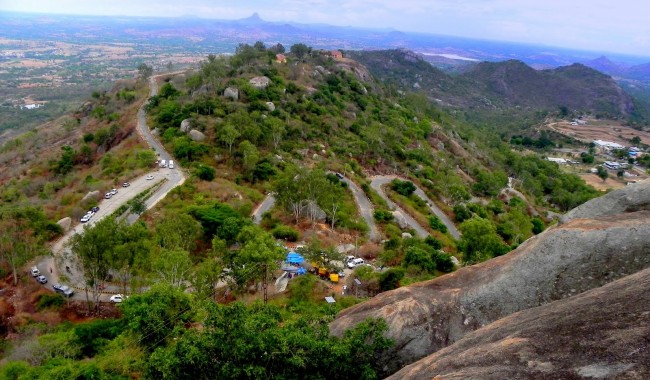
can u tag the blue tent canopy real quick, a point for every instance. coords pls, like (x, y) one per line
(294, 258)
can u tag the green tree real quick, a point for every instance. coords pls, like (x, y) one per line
(179, 231)
(602, 173)
(390, 279)
(172, 267)
(144, 71)
(93, 250)
(404, 188)
(299, 50)
(228, 134)
(258, 255)
(66, 162)
(205, 172)
(138, 206)
(327, 257)
(18, 243)
(249, 153)
(480, 240)
(154, 315)
(436, 224)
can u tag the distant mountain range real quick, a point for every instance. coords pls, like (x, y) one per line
(618, 69)
(218, 36)
(502, 85)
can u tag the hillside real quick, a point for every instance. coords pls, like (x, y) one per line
(564, 261)
(494, 86)
(602, 334)
(306, 134)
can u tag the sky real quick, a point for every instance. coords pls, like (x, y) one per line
(599, 25)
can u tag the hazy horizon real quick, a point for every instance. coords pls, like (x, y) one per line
(601, 27)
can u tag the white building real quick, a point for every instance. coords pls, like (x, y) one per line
(608, 145)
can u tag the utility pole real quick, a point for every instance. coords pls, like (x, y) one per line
(265, 285)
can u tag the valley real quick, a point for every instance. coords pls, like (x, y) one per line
(330, 212)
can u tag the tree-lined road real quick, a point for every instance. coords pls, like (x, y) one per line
(62, 258)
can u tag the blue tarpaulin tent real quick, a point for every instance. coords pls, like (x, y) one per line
(294, 258)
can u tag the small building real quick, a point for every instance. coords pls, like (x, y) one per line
(560, 161)
(612, 165)
(336, 54)
(280, 58)
(608, 145)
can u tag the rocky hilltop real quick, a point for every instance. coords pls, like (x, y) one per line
(611, 242)
(600, 334)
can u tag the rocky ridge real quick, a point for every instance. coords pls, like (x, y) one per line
(576, 256)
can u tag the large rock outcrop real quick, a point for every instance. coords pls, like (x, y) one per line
(635, 197)
(600, 334)
(564, 261)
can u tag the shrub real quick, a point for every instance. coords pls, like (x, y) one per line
(405, 188)
(383, 215)
(436, 224)
(390, 279)
(205, 173)
(47, 301)
(285, 233)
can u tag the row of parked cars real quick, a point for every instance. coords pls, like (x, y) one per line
(67, 291)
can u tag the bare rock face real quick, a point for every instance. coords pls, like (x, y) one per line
(65, 223)
(561, 262)
(232, 93)
(197, 135)
(635, 197)
(260, 82)
(186, 125)
(90, 195)
(599, 334)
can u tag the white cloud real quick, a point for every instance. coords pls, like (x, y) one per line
(594, 24)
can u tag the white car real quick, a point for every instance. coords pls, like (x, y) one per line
(354, 263)
(85, 218)
(117, 298)
(108, 195)
(149, 177)
(113, 191)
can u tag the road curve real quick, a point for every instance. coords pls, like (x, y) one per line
(263, 207)
(378, 181)
(62, 257)
(365, 208)
(363, 203)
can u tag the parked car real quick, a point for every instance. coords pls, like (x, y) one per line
(149, 177)
(339, 175)
(113, 191)
(94, 209)
(108, 195)
(42, 279)
(63, 289)
(356, 262)
(35, 272)
(349, 258)
(85, 218)
(117, 298)
(126, 184)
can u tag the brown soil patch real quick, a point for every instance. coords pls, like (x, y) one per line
(598, 184)
(600, 130)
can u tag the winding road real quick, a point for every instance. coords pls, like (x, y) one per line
(363, 203)
(167, 179)
(377, 183)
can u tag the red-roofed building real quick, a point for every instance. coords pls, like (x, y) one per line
(280, 58)
(336, 54)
